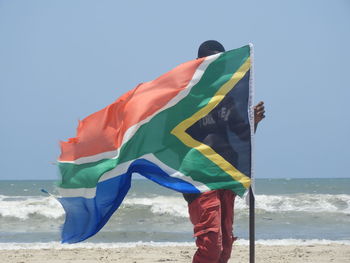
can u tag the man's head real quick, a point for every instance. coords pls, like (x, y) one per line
(210, 47)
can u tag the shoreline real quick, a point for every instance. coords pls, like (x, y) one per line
(115, 245)
(337, 253)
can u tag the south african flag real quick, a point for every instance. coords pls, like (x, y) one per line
(189, 130)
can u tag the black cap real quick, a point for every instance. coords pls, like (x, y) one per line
(210, 47)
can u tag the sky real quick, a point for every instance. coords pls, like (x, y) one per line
(63, 60)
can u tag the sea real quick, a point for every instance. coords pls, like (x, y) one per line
(288, 211)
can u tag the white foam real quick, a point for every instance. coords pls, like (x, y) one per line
(57, 245)
(243, 242)
(174, 206)
(304, 203)
(22, 207)
(294, 242)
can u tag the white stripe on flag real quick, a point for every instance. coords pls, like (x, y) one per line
(122, 169)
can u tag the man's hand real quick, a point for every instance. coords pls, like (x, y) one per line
(259, 113)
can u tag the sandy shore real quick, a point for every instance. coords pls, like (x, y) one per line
(149, 254)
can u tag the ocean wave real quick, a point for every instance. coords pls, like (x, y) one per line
(241, 242)
(174, 206)
(23, 208)
(314, 203)
(308, 203)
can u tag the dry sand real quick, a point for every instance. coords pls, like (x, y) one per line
(150, 254)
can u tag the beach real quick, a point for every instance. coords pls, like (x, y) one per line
(335, 253)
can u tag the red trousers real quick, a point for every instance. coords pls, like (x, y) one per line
(212, 216)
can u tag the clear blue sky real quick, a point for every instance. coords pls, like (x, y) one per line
(62, 60)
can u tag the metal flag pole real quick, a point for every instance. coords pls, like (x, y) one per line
(251, 226)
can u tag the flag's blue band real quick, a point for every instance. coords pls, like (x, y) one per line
(85, 217)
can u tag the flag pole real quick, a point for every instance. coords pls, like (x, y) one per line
(251, 226)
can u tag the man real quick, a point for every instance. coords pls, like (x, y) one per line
(211, 213)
